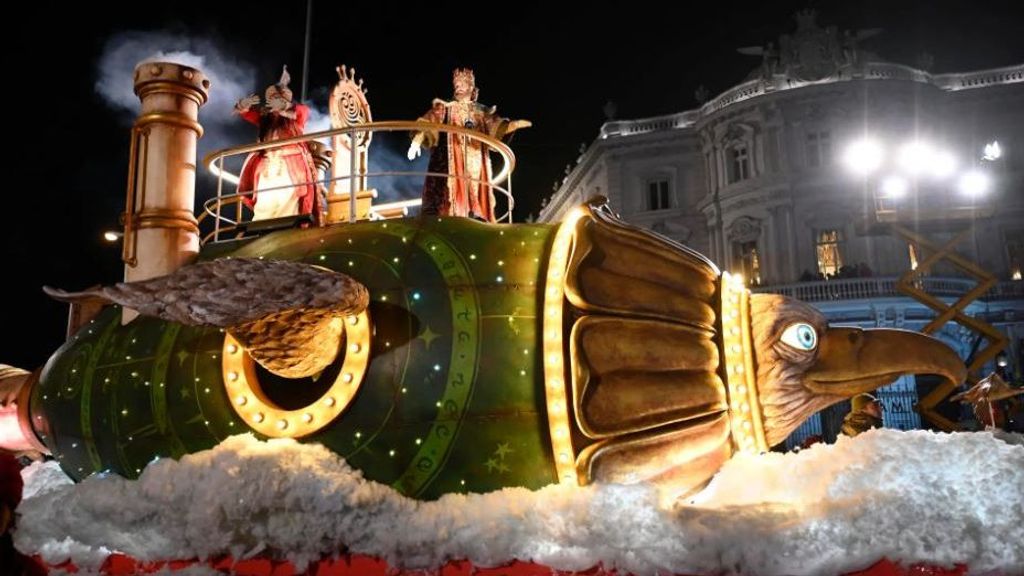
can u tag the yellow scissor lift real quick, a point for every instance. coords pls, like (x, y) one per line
(911, 221)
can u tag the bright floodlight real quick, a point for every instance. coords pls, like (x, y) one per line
(992, 151)
(916, 157)
(863, 156)
(974, 183)
(895, 187)
(111, 236)
(943, 164)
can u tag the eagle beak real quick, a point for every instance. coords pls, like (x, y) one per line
(852, 361)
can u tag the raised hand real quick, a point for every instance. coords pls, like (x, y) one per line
(277, 104)
(248, 102)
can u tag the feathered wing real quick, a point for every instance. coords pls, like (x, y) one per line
(283, 312)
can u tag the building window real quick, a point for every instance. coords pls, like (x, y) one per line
(739, 163)
(819, 149)
(830, 253)
(657, 195)
(749, 261)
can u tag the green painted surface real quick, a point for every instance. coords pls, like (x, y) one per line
(453, 398)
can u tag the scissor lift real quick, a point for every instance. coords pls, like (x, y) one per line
(946, 212)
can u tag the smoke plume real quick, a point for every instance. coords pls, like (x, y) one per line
(232, 77)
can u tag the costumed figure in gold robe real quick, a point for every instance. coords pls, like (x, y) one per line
(467, 190)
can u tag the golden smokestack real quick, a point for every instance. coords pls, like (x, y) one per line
(160, 230)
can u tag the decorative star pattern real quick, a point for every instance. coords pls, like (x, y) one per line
(503, 450)
(497, 460)
(428, 336)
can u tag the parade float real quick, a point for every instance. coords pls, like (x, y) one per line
(354, 391)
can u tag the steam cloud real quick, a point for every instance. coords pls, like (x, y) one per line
(232, 78)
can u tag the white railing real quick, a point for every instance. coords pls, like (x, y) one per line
(885, 286)
(645, 125)
(980, 79)
(869, 70)
(737, 93)
(893, 71)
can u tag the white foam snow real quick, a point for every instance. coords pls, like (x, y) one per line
(42, 477)
(909, 496)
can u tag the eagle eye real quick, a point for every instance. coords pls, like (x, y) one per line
(800, 336)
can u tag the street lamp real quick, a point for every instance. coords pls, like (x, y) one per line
(974, 183)
(895, 187)
(916, 157)
(863, 156)
(916, 166)
(921, 184)
(992, 151)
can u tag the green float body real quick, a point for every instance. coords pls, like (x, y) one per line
(453, 399)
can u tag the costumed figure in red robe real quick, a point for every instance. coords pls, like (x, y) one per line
(467, 190)
(282, 180)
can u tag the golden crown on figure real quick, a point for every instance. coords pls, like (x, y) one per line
(466, 75)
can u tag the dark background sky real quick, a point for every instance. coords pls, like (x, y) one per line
(555, 64)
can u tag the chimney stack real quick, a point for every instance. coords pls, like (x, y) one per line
(160, 230)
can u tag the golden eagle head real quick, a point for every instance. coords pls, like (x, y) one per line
(803, 365)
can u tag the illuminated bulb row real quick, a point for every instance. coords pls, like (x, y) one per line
(554, 359)
(748, 434)
(266, 418)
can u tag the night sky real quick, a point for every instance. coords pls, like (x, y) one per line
(556, 68)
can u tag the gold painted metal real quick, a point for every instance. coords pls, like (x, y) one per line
(258, 412)
(338, 205)
(129, 241)
(744, 407)
(632, 375)
(338, 208)
(555, 386)
(649, 401)
(680, 460)
(381, 126)
(171, 118)
(348, 106)
(908, 284)
(159, 218)
(621, 269)
(159, 237)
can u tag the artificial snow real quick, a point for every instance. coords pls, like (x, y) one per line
(42, 477)
(909, 496)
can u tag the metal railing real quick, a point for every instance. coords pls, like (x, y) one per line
(213, 208)
(885, 286)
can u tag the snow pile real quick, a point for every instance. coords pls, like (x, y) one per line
(909, 496)
(43, 477)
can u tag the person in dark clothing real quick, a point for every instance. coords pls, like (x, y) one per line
(865, 414)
